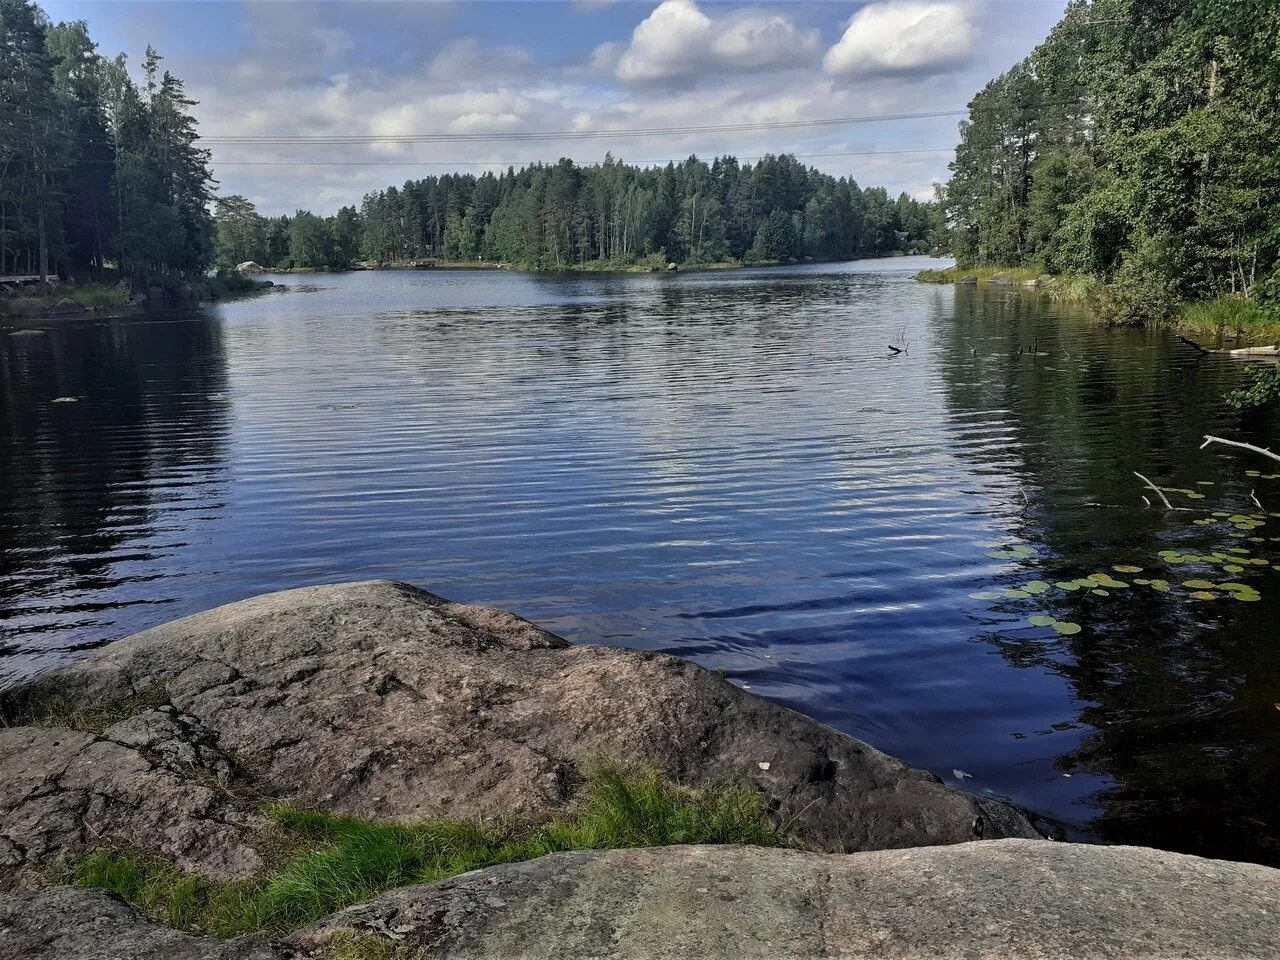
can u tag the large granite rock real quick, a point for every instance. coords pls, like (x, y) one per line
(376, 698)
(997, 900)
(70, 923)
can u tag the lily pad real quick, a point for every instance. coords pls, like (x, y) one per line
(1126, 568)
(1199, 584)
(1204, 595)
(985, 595)
(1066, 627)
(1042, 620)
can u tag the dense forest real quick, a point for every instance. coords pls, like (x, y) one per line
(95, 170)
(99, 173)
(1139, 145)
(558, 216)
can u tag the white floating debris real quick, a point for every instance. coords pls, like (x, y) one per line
(66, 399)
(961, 775)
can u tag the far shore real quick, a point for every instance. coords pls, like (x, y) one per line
(650, 265)
(121, 299)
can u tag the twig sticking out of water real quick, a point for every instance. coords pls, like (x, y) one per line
(1253, 495)
(895, 350)
(1243, 446)
(1159, 492)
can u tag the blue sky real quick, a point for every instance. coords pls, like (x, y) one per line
(300, 68)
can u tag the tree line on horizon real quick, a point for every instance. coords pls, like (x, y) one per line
(96, 171)
(562, 215)
(1139, 144)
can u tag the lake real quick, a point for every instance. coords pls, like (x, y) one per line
(730, 466)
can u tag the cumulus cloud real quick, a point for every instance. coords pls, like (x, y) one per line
(388, 70)
(902, 37)
(678, 40)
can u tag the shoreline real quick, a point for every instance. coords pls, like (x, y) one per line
(1223, 320)
(365, 771)
(591, 267)
(110, 301)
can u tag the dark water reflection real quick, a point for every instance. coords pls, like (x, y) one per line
(725, 466)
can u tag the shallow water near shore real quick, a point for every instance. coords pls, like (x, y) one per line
(729, 466)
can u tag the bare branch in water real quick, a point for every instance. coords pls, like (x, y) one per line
(1243, 446)
(1159, 492)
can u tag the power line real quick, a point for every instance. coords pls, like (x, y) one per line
(510, 163)
(534, 163)
(625, 132)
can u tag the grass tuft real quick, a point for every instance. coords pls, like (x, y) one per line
(981, 274)
(340, 860)
(1231, 315)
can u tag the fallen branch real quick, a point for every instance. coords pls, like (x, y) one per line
(1253, 495)
(1159, 492)
(895, 350)
(1243, 446)
(1194, 345)
(1267, 351)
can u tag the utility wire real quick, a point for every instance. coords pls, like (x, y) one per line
(583, 134)
(513, 163)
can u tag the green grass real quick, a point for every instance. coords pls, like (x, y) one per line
(1234, 316)
(326, 862)
(1075, 288)
(981, 274)
(91, 295)
(88, 295)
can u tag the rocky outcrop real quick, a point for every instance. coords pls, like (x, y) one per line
(65, 307)
(1006, 899)
(1001, 900)
(249, 267)
(376, 698)
(70, 923)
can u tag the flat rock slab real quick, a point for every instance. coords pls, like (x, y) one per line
(379, 699)
(993, 900)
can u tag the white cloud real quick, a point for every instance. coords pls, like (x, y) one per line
(377, 72)
(763, 40)
(677, 40)
(469, 60)
(902, 37)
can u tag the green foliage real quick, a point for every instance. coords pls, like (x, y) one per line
(1232, 315)
(1136, 145)
(94, 168)
(1263, 390)
(612, 216)
(775, 240)
(331, 861)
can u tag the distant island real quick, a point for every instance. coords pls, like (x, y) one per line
(607, 216)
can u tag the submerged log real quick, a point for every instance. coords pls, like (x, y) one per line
(1261, 351)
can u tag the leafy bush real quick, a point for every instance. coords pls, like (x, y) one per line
(1263, 390)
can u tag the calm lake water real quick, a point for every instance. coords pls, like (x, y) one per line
(727, 466)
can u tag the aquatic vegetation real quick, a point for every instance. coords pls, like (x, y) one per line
(1204, 588)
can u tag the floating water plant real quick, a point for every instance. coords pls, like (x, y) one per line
(1063, 627)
